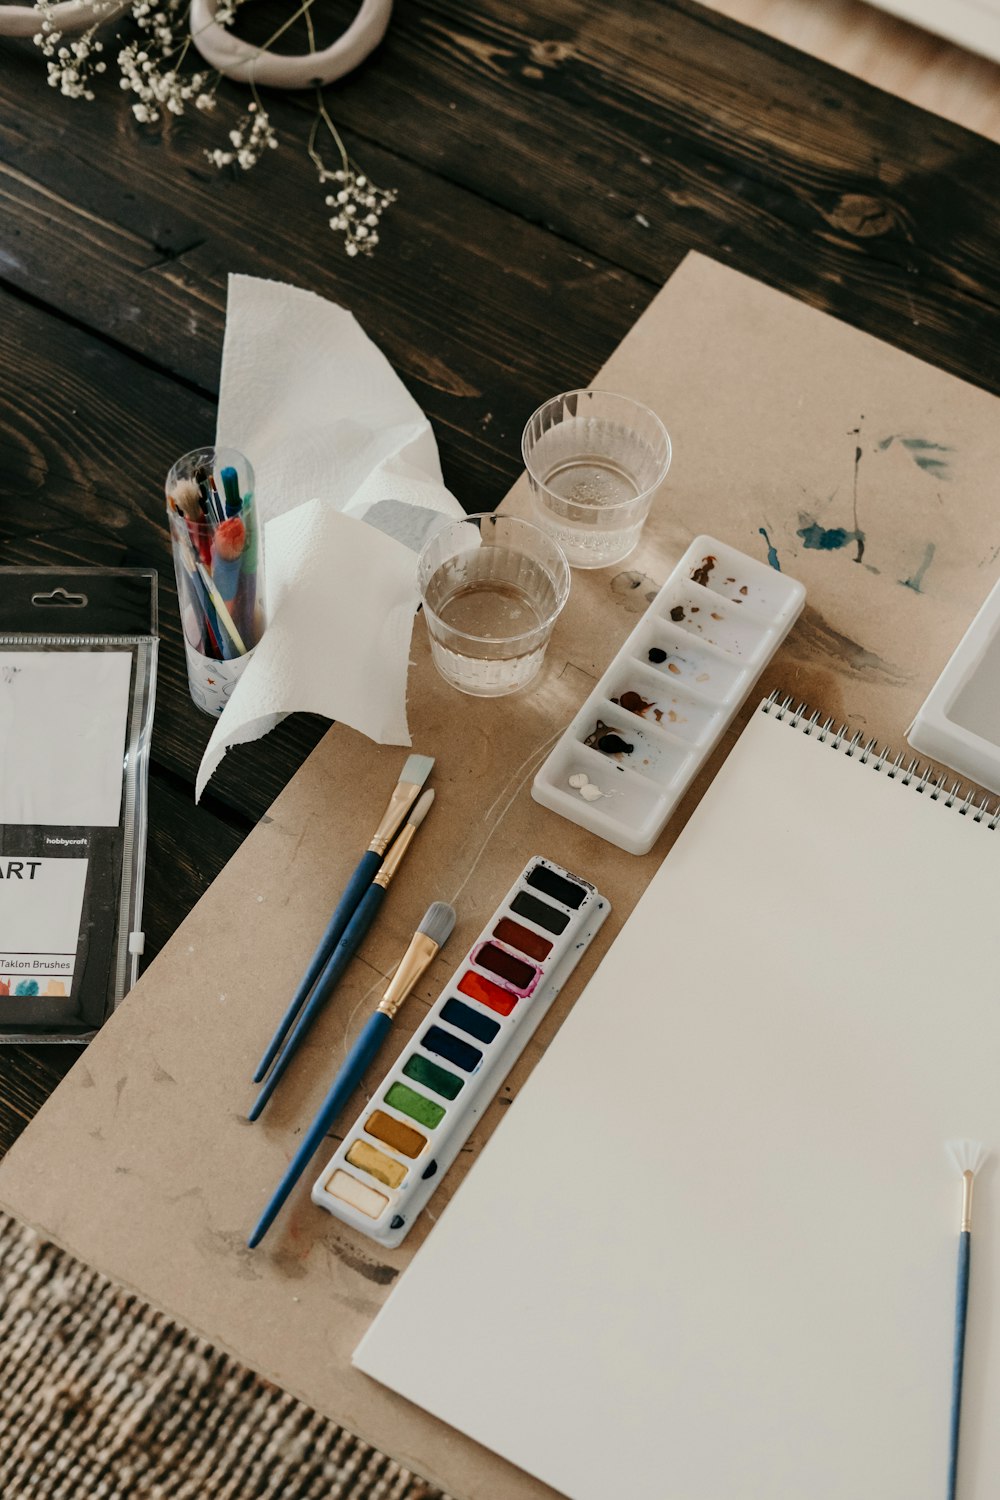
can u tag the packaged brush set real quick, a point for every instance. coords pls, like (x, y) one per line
(77, 683)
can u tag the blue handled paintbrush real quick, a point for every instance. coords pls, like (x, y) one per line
(363, 917)
(968, 1157)
(429, 938)
(406, 791)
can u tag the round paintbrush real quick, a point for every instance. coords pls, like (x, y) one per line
(430, 937)
(968, 1157)
(186, 498)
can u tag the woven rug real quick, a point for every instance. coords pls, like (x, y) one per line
(103, 1397)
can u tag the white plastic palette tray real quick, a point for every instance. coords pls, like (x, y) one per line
(959, 721)
(661, 707)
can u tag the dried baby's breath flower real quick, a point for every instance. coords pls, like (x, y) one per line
(152, 70)
(357, 203)
(253, 135)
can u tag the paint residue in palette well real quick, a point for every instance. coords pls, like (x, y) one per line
(348, 1188)
(401, 1137)
(608, 740)
(540, 912)
(722, 626)
(439, 1080)
(516, 972)
(377, 1164)
(408, 1102)
(690, 666)
(522, 938)
(625, 744)
(580, 783)
(551, 883)
(471, 1021)
(680, 716)
(703, 572)
(494, 996)
(452, 1048)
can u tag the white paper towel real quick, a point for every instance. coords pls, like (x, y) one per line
(333, 434)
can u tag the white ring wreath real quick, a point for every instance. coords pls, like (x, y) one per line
(70, 17)
(247, 64)
(219, 46)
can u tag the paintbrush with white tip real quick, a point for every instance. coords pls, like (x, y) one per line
(404, 794)
(429, 938)
(968, 1157)
(364, 915)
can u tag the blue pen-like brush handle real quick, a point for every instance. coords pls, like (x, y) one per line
(347, 1080)
(330, 976)
(958, 1365)
(368, 868)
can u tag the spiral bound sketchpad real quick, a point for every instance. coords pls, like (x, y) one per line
(750, 1226)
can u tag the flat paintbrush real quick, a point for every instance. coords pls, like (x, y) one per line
(432, 934)
(405, 793)
(333, 970)
(968, 1157)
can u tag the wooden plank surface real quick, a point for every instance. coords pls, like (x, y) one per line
(554, 164)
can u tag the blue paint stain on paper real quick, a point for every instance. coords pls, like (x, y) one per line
(26, 987)
(916, 581)
(772, 552)
(923, 452)
(828, 538)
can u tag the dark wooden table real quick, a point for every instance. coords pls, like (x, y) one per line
(554, 163)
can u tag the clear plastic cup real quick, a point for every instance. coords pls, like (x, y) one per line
(492, 588)
(595, 461)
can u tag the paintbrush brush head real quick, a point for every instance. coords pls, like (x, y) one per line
(968, 1156)
(229, 539)
(422, 808)
(187, 498)
(417, 769)
(438, 922)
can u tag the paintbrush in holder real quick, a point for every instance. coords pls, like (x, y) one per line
(215, 537)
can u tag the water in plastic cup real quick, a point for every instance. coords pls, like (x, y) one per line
(595, 461)
(492, 589)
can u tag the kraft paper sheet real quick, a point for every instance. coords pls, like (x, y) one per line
(860, 470)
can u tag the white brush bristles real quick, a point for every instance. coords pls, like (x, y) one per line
(421, 810)
(438, 923)
(187, 498)
(417, 769)
(968, 1156)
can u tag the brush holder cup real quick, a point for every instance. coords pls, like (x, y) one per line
(215, 537)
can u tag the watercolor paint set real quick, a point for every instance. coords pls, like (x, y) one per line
(393, 1157)
(667, 698)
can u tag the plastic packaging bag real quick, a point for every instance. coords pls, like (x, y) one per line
(78, 651)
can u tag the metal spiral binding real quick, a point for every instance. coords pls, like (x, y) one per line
(928, 780)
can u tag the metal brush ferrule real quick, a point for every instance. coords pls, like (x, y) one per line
(967, 1180)
(394, 858)
(403, 797)
(414, 962)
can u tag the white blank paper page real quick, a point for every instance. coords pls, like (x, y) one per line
(63, 717)
(710, 1252)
